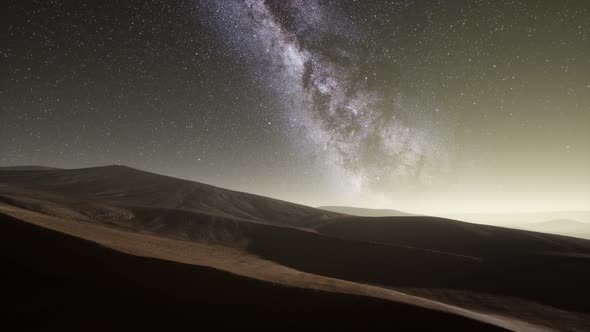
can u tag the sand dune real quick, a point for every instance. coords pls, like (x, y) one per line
(566, 223)
(513, 279)
(75, 284)
(122, 185)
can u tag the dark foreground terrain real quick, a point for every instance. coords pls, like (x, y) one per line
(114, 247)
(56, 280)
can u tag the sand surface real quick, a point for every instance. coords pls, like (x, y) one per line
(407, 267)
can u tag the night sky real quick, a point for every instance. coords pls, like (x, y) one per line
(424, 106)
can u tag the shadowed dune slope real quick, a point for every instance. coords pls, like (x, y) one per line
(55, 281)
(555, 278)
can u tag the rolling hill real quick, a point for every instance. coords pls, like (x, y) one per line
(380, 271)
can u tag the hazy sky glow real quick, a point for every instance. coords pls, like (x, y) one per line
(426, 106)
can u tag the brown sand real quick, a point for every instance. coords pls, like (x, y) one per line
(514, 279)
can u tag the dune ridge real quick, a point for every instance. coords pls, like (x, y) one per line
(443, 263)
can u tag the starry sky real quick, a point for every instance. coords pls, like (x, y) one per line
(424, 106)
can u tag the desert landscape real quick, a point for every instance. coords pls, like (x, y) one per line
(87, 248)
(300, 165)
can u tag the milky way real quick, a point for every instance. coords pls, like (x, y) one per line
(313, 60)
(421, 106)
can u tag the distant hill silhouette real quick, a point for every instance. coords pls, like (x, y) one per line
(561, 227)
(363, 212)
(27, 168)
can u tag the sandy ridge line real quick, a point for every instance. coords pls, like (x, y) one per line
(241, 263)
